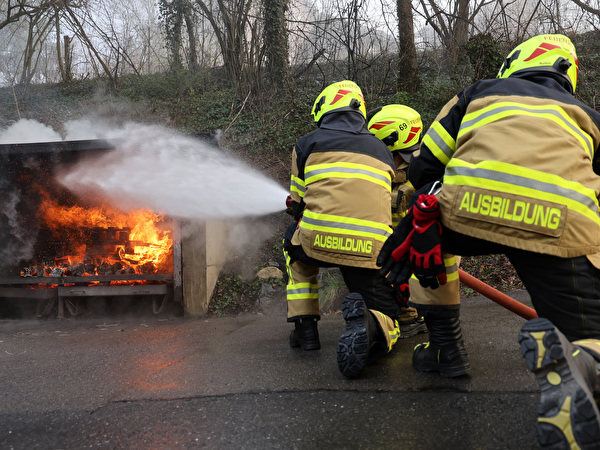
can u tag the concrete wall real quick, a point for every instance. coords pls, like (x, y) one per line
(203, 254)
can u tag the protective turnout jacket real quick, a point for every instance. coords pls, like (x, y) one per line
(402, 190)
(342, 176)
(519, 161)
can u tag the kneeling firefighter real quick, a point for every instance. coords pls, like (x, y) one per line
(519, 157)
(340, 194)
(400, 128)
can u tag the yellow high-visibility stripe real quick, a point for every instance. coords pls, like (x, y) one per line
(287, 266)
(353, 227)
(451, 268)
(302, 291)
(317, 172)
(393, 334)
(356, 176)
(512, 179)
(453, 276)
(439, 142)
(553, 113)
(348, 165)
(297, 185)
(302, 296)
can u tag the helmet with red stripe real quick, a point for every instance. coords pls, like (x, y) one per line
(398, 126)
(341, 96)
(544, 53)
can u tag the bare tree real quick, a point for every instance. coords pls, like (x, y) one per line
(20, 9)
(586, 6)
(452, 24)
(78, 25)
(237, 33)
(40, 24)
(408, 64)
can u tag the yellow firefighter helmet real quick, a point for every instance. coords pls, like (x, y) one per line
(398, 126)
(544, 53)
(341, 96)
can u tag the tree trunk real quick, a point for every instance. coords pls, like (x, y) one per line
(408, 65)
(276, 41)
(68, 68)
(461, 34)
(59, 57)
(189, 24)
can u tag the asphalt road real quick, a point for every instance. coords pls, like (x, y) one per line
(146, 381)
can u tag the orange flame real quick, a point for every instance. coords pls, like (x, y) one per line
(140, 240)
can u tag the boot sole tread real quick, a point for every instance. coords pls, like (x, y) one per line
(567, 414)
(353, 346)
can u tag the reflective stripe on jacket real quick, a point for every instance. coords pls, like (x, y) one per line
(517, 159)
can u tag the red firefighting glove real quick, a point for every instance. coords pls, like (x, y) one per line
(403, 294)
(426, 251)
(395, 263)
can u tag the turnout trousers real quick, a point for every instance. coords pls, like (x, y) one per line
(565, 291)
(303, 288)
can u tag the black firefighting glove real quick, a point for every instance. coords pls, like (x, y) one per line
(397, 271)
(426, 251)
(293, 208)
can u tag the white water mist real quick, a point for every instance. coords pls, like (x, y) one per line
(156, 168)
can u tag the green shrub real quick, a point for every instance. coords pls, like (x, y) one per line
(494, 270)
(485, 55)
(234, 295)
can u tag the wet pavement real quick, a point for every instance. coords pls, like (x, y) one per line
(233, 383)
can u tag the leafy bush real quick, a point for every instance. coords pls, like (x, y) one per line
(495, 270)
(234, 295)
(485, 55)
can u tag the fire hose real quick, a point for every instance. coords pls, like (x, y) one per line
(495, 295)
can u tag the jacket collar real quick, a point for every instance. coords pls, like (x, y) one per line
(344, 121)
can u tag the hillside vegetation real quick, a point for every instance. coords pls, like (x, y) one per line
(259, 128)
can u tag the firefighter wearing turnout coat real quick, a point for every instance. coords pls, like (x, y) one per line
(519, 160)
(399, 127)
(341, 179)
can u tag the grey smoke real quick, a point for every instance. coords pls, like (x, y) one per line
(28, 130)
(17, 241)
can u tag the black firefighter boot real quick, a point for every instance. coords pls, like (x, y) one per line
(305, 334)
(567, 375)
(362, 341)
(445, 352)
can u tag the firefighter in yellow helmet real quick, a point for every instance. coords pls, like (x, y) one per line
(340, 193)
(519, 159)
(400, 127)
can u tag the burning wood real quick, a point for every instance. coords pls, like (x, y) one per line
(101, 241)
(88, 268)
